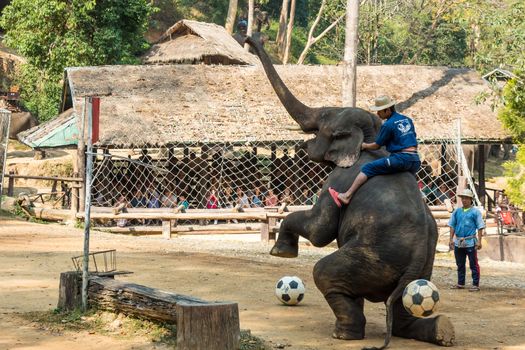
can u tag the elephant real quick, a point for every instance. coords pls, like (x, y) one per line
(20, 122)
(386, 235)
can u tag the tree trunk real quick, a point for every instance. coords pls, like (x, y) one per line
(281, 32)
(230, 18)
(136, 300)
(350, 58)
(251, 5)
(70, 291)
(208, 327)
(289, 29)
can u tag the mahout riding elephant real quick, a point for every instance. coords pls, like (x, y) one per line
(386, 236)
(21, 121)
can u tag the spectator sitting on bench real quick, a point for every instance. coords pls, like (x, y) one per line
(242, 198)
(256, 198)
(120, 206)
(286, 197)
(168, 199)
(212, 202)
(183, 201)
(271, 199)
(138, 200)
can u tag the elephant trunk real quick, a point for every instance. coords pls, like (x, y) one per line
(305, 116)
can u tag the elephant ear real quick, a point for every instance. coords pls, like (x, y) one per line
(345, 146)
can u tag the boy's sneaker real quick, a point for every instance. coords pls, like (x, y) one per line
(474, 289)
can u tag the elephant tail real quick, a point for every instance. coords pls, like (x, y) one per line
(413, 272)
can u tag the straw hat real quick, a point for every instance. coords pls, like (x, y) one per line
(382, 102)
(466, 193)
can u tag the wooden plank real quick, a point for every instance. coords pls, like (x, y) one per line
(186, 229)
(52, 178)
(51, 214)
(209, 215)
(96, 209)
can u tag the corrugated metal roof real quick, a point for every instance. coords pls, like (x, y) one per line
(61, 131)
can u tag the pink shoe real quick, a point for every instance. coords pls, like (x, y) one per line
(334, 194)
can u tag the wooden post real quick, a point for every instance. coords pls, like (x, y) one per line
(11, 184)
(265, 230)
(166, 229)
(53, 190)
(208, 326)
(75, 193)
(481, 174)
(70, 291)
(267, 233)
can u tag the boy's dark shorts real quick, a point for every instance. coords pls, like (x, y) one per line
(395, 163)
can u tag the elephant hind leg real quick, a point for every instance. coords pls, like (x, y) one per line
(350, 325)
(332, 279)
(437, 330)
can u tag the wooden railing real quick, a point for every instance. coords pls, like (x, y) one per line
(69, 192)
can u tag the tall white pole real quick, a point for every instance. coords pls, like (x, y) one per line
(350, 57)
(89, 173)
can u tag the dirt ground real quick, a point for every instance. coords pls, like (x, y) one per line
(234, 268)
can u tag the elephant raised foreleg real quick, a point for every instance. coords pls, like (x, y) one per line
(317, 225)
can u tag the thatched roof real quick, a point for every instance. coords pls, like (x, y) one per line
(185, 103)
(193, 42)
(173, 104)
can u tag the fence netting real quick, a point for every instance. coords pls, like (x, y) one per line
(247, 174)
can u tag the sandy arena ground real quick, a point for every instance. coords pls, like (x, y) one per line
(235, 268)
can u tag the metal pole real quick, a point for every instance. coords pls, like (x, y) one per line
(89, 172)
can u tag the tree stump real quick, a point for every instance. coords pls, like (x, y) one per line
(70, 291)
(213, 326)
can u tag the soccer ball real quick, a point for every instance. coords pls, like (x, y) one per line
(290, 290)
(420, 298)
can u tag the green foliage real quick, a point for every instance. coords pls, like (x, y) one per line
(501, 36)
(515, 173)
(512, 114)
(54, 34)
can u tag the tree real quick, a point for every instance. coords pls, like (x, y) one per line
(350, 58)
(251, 5)
(54, 34)
(281, 32)
(230, 19)
(289, 28)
